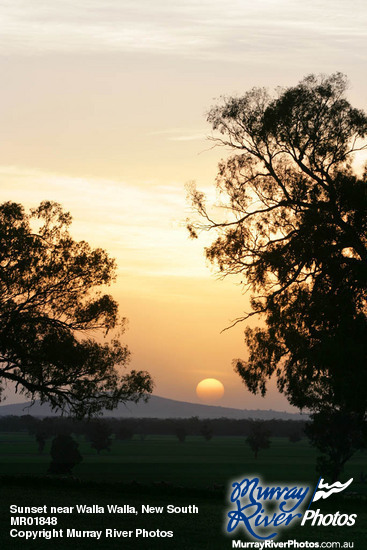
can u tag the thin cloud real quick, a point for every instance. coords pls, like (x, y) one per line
(190, 137)
(181, 134)
(211, 29)
(143, 227)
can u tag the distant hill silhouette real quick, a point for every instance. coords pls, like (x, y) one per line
(159, 407)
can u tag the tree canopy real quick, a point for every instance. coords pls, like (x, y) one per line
(64, 454)
(292, 224)
(55, 320)
(258, 437)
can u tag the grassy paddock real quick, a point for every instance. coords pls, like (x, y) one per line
(203, 531)
(161, 471)
(195, 463)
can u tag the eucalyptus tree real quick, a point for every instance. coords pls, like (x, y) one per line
(292, 225)
(55, 319)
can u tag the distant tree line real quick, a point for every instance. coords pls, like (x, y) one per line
(126, 428)
(100, 433)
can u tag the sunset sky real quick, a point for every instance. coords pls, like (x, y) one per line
(103, 109)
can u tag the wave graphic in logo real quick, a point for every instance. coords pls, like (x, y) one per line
(324, 490)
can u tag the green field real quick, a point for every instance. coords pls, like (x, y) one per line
(160, 471)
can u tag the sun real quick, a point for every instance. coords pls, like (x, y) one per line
(210, 390)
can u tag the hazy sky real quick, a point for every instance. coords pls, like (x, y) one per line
(103, 109)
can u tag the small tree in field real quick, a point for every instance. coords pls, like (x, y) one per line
(41, 438)
(181, 433)
(206, 431)
(258, 437)
(99, 435)
(65, 454)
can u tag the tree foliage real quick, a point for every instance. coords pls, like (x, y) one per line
(180, 432)
(338, 434)
(55, 321)
(206, 431)
(258, 437)
(296, 230)
(99, 435)
(292, 224)
(65, 454)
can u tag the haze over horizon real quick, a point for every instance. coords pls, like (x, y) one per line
(103, 110)
(159, 407)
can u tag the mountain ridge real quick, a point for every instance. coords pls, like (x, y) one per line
(160, 407)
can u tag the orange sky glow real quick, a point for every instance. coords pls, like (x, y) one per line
(103, 110)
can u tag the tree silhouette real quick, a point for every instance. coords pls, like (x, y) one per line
(180, 433)
(206, 431)
(338, 435)
(99, 435)
(50, 309)
(293, 226)
(258, 437)
(41, 438)
(65, 454)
